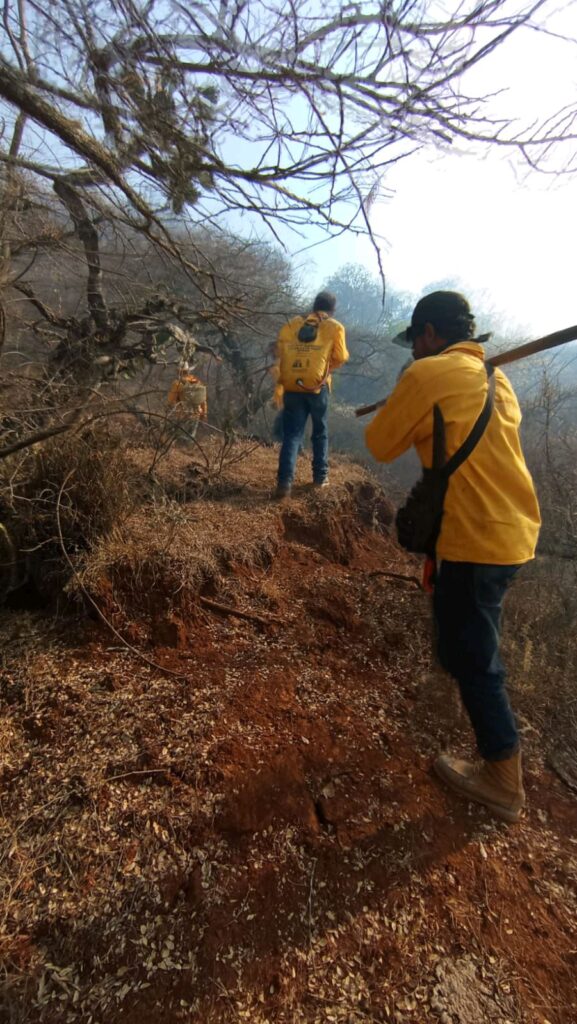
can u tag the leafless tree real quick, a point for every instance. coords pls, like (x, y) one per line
(281, 109)
(146, 117)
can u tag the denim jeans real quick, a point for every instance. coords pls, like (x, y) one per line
(296, 411)
(278, 432)
(467, 603)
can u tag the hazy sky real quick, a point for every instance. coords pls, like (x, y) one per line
(480, 217)
(469, 218)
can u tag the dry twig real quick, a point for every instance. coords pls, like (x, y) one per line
(228, 610)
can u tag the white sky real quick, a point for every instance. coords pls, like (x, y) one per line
(468, 218)
(479, 218)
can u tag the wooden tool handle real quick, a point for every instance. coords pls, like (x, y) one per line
(532, 347)
(502, 358)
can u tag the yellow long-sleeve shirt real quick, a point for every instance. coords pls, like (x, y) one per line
(491, 513)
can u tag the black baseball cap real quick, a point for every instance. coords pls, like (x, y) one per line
(448, 312)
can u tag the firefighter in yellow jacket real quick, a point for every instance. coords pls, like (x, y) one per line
(187, 397)
(489, 528)
(309, 348)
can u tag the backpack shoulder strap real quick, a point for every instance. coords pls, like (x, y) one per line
(439, 446)
(470, 442)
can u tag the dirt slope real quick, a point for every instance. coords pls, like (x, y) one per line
(257, 836)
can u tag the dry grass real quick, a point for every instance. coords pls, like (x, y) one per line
(82, 482)
(166, 554)
(154, 562)
(541, 657)
(540, 620)
(89, 486)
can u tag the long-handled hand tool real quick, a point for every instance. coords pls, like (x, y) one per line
(509, 356)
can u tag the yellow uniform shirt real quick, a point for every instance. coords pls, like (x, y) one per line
(330, 338)
(491, 513)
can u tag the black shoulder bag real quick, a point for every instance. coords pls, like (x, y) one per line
(418, 522)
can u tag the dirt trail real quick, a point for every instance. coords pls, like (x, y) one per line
(260, 838)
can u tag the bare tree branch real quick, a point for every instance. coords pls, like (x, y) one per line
(89, 237)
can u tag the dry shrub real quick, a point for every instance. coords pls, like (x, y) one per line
(166, 553)
(541, 657)
(332, 520)
(71, 491)
(540, 625)
(143, 543)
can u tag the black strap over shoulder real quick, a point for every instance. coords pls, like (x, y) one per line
(457, 458)
(439, 446)
(419, 520)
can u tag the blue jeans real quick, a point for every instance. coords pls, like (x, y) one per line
(296, 411)
(278, 432)
(467, 603)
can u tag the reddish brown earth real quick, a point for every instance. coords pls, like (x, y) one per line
(259, 836)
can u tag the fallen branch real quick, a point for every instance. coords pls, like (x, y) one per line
(563, 773)
(142, 771)
(396, 576)
(72, 422)
(228, 610)
(42, 435)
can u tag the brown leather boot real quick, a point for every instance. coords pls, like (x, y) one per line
(497, 784)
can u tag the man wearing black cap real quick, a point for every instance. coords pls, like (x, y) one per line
(489, 528)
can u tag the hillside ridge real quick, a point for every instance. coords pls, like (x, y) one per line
(251, 831)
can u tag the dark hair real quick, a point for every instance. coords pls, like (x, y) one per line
(448, 312)
(325, 302)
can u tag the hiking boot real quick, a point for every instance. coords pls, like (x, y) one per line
(283, 492)
(321, 483)
(497, 784)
